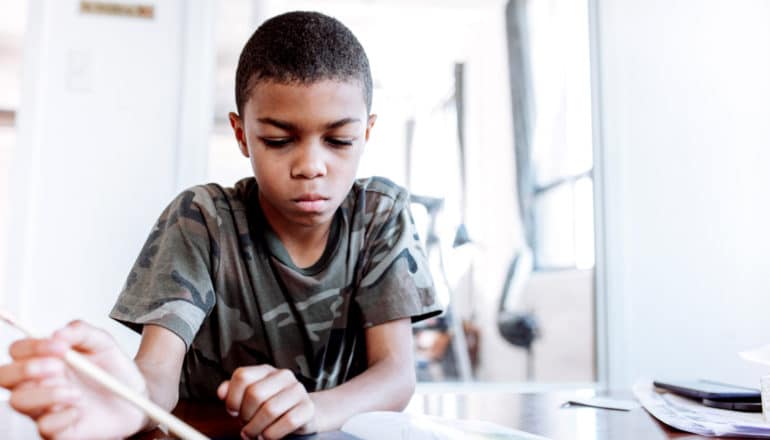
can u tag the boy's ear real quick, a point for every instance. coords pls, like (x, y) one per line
(237, 124)
(369, 124)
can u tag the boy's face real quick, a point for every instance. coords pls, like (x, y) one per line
(304, 143)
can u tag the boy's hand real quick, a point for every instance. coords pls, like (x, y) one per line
(63, 404)
(271, 402)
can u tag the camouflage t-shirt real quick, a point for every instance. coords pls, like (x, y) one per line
(213, 272)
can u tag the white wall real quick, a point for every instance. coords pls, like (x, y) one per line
(113, 122)
(684, 91)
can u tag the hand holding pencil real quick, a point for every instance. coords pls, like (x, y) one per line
(55, 385)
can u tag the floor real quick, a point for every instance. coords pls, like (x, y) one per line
(563, 303)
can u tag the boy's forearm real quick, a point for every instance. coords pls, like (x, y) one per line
(158, 391)
(384, 386)
(159, 359)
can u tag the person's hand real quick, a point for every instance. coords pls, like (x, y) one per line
(63, 404)
(271, 402)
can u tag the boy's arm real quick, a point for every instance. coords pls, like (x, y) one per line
(159, 358)
(387, 384)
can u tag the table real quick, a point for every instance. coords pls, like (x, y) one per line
(537, 412)
(542, 413)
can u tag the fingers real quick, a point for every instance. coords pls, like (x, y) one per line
(85, 337)
(30, 347)
(281, 406)
(35, 400)
(242, 378)
(55, 424)
(32, 414)
(223, 389)
(35, 359)
(291, 422)
(77, 334)
(261, 391)
(271, 401)
(35, 369)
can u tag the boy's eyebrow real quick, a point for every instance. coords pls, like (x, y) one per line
(342, 122)
(277, 123)
(289, 126)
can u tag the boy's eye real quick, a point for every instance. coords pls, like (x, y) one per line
(275, 142)
(340, 142)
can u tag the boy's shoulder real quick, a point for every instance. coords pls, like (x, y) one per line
(210, 206)
(210, 197)
(375, 204)
(381, 189)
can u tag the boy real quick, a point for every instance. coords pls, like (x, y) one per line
(288, 296)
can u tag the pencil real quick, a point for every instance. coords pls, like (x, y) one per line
(81, 364)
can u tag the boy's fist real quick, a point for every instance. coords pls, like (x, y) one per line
(271, 402)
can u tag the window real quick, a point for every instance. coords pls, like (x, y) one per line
(561, 144)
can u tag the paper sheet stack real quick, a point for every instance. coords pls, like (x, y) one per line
(688, 415)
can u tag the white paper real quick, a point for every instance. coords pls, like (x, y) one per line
(760, 355)
(386, 425)
(688, 415)
(605, 403)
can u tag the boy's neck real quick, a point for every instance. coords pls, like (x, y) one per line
(304, 244)
(305, 247)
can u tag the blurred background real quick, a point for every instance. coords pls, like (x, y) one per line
(588, 176)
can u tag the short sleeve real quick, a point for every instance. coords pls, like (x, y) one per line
(170, 284)
(396, 282)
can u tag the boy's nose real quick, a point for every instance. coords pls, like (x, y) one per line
(309, 163)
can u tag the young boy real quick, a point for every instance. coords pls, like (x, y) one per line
(288, 296)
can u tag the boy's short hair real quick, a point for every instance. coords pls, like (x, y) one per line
(301, 47)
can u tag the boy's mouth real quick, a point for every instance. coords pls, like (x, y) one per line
(311, 202)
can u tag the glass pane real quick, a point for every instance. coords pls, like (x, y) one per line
(555, 226)
(559, 294)
(561, 96)
(564, 225)
(584, 223)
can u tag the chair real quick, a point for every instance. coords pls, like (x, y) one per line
(459, 364)
(518, 327)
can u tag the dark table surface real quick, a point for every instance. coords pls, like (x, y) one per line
(543, 413)
(539, 413)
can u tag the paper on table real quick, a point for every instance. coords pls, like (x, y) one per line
(690, 416)
(604, 403)
(760, 355)
(386, 425)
